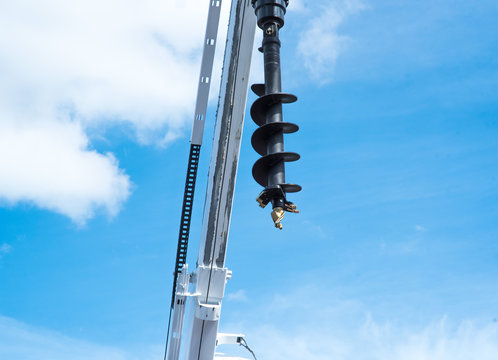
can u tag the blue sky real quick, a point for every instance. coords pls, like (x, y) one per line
(394, 254)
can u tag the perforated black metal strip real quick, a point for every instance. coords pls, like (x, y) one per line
(188, 200)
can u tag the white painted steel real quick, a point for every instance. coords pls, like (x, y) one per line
(178, 314)
(211, 274)
(196, 139)
(206, 71)
(228, 339)
(228, 134)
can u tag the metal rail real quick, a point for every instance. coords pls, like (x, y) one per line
(195, 147)
(188, 202)
(196, 138)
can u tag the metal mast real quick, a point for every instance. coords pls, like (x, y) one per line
(180, 271)
(211, 275)
(197, 134)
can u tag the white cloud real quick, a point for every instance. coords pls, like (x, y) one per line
(291, 326)
(134, 61)
(420, 228)
(313, 322)
(374, 341)
(49, 164)
(240, 295)
(19, 341)
(5, 249)
(315, 229)
(67, 66)
(297, 5)
(320, 44)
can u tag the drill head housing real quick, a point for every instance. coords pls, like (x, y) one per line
(270, 11)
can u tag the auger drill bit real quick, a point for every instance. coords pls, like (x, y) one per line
(268, 139)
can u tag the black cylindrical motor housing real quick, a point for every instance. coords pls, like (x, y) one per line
(270, 11)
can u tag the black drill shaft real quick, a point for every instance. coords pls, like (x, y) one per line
(273, 84)
(268, 140)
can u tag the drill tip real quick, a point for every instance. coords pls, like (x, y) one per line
(277, 215)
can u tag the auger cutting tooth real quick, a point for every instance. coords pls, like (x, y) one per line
(290, 207)
(266, 112)
(277, 215)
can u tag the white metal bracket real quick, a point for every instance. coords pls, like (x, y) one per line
(210, 312)
(229, 339)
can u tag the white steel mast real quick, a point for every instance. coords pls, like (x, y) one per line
(209, 278)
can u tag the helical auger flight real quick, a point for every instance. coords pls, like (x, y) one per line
(266, 111)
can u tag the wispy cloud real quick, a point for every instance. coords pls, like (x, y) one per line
(375, 341)
(4, 249)
(399, 247)
(315, 323)
(297, 5)
(315, 229)
(19, 341)
(420, 228)
(240, 296)
(320, 44)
